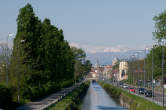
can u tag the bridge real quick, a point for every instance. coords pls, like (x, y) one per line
(91, 79)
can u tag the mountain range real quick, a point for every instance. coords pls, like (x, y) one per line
(105, 58)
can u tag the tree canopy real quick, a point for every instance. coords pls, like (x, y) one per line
(42, 61)
(160, 26)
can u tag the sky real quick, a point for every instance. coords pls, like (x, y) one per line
(94, 25)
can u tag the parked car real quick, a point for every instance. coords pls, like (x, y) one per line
(148, 93)
(141, 90)
(125, 86)
(120, 84)
(132, 89)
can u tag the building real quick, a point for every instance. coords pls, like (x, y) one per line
(114, 74)
(114, 61)
(107, 71)
(123, 70)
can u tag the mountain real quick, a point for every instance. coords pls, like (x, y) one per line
(105, 58)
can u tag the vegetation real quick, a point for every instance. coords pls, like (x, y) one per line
(135, 71)
(156, 52)
(41, 62)
(133, 102)
(73, 100)
(81, 66)
(5, 97)
(41, 58)
(159, 36)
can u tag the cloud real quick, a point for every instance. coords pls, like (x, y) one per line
(98, 49)
(95, 49)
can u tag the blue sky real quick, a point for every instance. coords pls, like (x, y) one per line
(94, 23)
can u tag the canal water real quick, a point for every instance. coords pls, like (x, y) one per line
(97, 99)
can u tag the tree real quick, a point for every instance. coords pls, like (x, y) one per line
(42, 61)
(160, 26)
(82, 66)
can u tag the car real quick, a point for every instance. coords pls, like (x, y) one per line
(120, 84)
(125, 86)
(132, 89)
(141, 90)
(148, 93)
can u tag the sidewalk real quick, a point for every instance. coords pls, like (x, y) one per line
(48, 101)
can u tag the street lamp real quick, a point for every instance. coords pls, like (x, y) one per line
(134, 72)
(137, 72)
(145, 66)
(155, 43)
(18, 84)
(163, 43)
(132, 69)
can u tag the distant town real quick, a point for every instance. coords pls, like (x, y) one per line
(117, 71)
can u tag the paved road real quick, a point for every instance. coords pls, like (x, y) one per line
(46, 102)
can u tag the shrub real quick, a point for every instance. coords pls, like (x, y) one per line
(5, 97)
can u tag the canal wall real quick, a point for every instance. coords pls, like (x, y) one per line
(73, 100)
(128, 100)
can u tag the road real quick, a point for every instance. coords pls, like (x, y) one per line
(157, 96)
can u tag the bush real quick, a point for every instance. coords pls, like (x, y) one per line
(5, 97)
(72, 100)
(134, 102)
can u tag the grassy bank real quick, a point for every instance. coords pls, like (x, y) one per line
(73, 100)
(131, 101)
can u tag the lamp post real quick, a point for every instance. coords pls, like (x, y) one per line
(145, 67)
(18, 84)
(132, 70)
(137, 66)
(155, 43)
(152, 75)
(140, 73)
(163, 42)
(137, 57)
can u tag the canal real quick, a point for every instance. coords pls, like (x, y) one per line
(97, 99)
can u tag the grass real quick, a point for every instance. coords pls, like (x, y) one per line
(72, 100)
(134, 102)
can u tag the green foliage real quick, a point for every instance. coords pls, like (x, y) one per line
(5, 97)
(82, 66)
(157, 59)
(160, 25)
(42, 62)
(116, 66)
(134, 102)
(135, 71)
(112, 91)
(72, 100)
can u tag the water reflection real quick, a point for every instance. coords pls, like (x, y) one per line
(97, 99)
